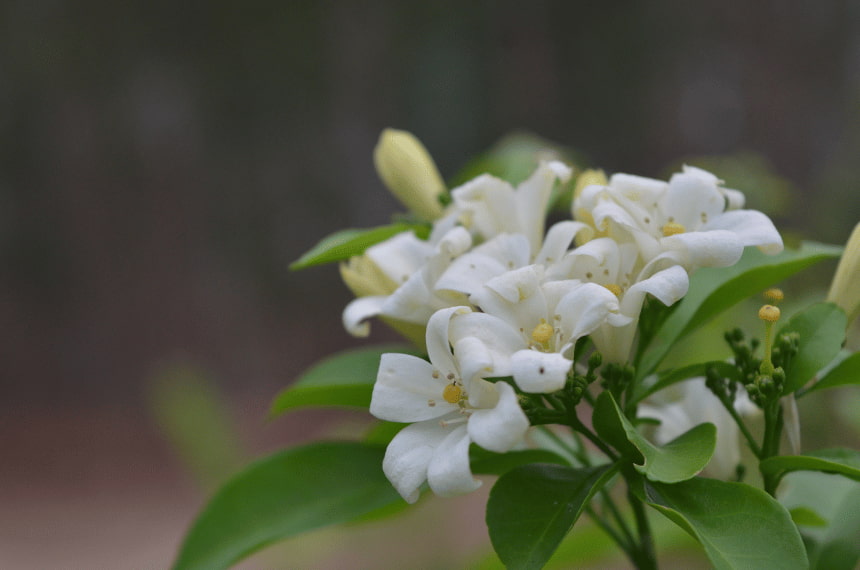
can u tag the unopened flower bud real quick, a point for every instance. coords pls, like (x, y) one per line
(844, 291)
(407, 169)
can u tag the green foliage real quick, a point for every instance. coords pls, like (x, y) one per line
(344, 244)
(678, 460)
(667, 378)
(713, 290)
(846, 372)
(844, 462)
(821, 330)
(282, 495)
(343, 379)
(489, 463)
(739, 526)
(533, 507)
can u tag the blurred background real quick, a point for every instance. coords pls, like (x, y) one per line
(162, 163)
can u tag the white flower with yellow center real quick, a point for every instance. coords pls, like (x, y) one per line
(619, 269)
(529, 327)
(692, 218)
(452, 406)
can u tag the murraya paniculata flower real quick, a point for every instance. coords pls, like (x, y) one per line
(408, 170)
(691, 218)
(451, 406)
(845, 288)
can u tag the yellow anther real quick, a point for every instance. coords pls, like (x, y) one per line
(673, 228)
(452, 393)
(543, 332)
(769, 313)
(616, 289)
(774, 295)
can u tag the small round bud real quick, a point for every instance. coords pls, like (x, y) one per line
(769, 313)
(595, 360)
(774, 295)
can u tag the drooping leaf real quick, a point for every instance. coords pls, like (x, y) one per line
(667, 378)
(836, 500)
(344, 244)
(739, 526)
(531, 509)
(841, 461)
(679, 460)
(822, 331)
(845, 373)
(713, 290)
(343, 379)
(283, 495)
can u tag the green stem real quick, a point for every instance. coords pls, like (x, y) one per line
(742, 426)
(770, 445)
(645, 557)
(625, 543)
(577, 425)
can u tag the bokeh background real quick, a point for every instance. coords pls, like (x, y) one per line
(162, 163)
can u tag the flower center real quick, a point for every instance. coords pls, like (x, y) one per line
(673, 228)
(542, 332)
(453, 393)
(615, 289)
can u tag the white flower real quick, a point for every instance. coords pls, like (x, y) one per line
(453, 406)
(691, 217)
(618, 268)
(488, 206)
(415, 265)
(529, 327)
(699, 405)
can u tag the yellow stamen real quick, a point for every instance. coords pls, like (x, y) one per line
(673, 228)
(452, 393)
(769, 313)
(542, 332)
(774, 295)
(616, 289)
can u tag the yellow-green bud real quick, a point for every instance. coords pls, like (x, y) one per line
(588, 178)
(407, 169)
(845, 289)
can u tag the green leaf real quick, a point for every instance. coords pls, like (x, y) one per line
(739, 526)
(843, 374)
(489, 463)
(343, 379)
(822, 331)
(285, 494)
(835, 499)
(533, 507)
(840, 461)
(804, 516)
(344, 244)
(678, 460)
(667, 378)
(715, 289)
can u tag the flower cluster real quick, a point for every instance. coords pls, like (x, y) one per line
(495, 294)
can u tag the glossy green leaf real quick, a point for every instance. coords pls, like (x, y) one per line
(344, 244)
(713, 290)
(533, 507)
(489, 463)
(678, 460)
(822, 331)
(667, 378)
(836, 500)
(804, 516)
(739, 526)
(845, 373)
(285, 494)
(343, 379)
(845, 462)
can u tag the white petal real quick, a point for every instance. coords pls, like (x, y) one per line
(558, 240)
(474, 359)
(692, 198)
(501, 428)
(532, 198)
(400, 256)
(668, 285)
(488, 204)
(449, 473)
(539, 372)
(411, 302)
(438, 345)
(751, 227)
(409, 454)
(717, 248)
(515, 296)
(469, 272)
(584, 309)
(359, 310)
(497, 336)
(406, 391)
